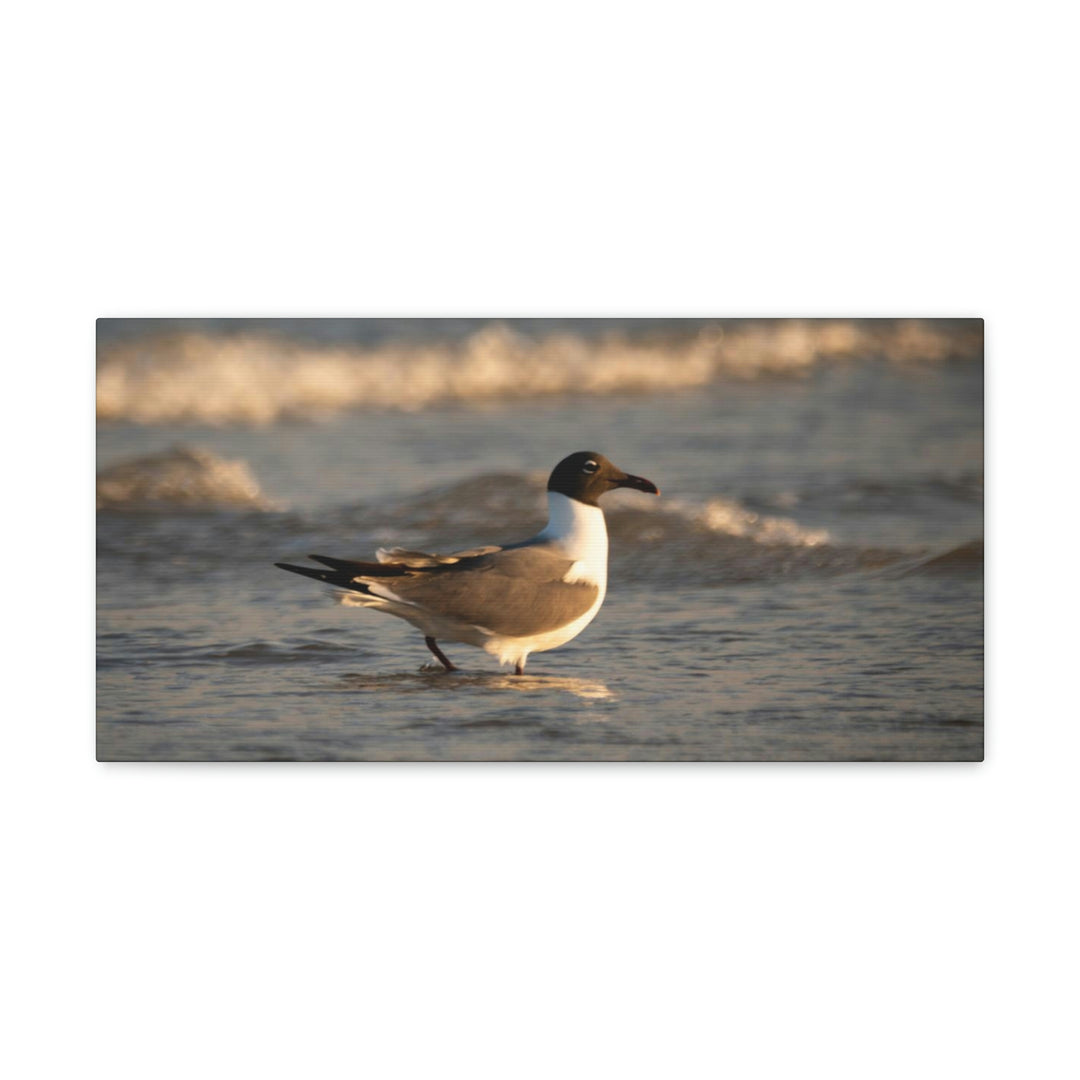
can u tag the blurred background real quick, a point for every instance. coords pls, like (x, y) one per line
(808, 587)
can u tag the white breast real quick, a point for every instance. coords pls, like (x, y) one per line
(581, 533)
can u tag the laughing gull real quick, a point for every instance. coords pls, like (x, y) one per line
(509, 601)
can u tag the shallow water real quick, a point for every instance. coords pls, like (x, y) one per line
(809, 586)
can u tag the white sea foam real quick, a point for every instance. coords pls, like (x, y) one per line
(257, 378)
(730, 517)
(718, 514)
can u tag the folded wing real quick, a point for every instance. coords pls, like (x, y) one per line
(516, 592)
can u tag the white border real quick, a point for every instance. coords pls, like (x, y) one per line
(759, 921)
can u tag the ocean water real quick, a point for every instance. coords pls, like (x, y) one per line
(808, 587)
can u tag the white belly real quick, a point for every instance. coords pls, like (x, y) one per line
(514, 650)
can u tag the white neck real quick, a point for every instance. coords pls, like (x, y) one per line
(578, 529)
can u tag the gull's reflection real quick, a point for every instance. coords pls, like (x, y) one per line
(586, 689)
(433, 679)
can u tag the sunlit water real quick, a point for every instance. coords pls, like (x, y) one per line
(809, 587)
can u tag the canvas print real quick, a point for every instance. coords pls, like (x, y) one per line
(540, 539)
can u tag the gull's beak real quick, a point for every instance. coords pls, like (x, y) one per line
(638, 483)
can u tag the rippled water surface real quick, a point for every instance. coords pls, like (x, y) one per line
(808, 587)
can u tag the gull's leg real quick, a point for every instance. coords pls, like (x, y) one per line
(519, 669)
(430, 643)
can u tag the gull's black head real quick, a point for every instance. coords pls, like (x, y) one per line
(586, 476)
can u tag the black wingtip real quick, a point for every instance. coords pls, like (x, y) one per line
(338, 578)
(307, 571)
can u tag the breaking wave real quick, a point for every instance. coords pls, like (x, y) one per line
(181, 477)
(257, 376)
(652, 540)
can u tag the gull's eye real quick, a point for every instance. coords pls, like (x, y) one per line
(590, 466)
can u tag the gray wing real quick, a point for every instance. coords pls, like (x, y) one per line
(517, 592)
